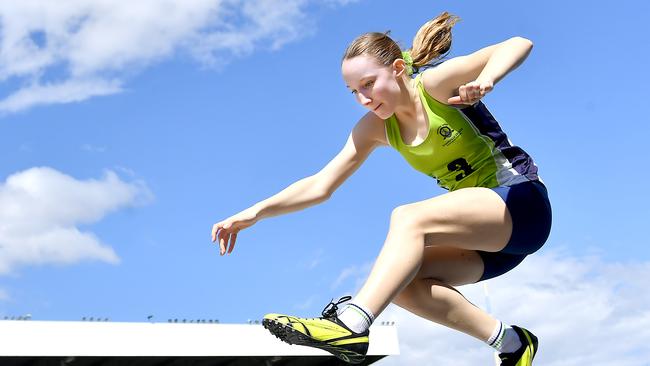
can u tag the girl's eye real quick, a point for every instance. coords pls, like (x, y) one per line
(365, 86)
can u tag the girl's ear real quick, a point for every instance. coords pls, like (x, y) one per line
(399, 67)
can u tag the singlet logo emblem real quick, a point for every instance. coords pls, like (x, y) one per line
(449, 135)
(445, 131)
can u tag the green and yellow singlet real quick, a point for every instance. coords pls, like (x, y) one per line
(464, 148)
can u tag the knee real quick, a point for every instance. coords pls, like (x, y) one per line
(404, 217)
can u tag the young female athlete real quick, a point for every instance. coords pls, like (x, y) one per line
(495, 213)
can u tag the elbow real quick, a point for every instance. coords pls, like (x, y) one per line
(322, 193)
(321, 188)
(325, 195)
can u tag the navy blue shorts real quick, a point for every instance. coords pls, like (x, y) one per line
(531, 215)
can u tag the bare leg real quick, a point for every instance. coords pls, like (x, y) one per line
(471, 218)
(431, 295)
(443, 304)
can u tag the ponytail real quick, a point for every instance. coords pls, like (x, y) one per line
(431, 43)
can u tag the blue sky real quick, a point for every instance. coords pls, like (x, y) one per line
(125, 134)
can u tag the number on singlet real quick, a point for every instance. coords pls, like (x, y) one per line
(460, 164)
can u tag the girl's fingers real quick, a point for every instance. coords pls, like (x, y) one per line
(233, 239)
(462, 93)
(474, 93)
(215, 229)
(464, 98)
(454, 100)
(471, 93)
(226, 235)
(223, 241)
(222, 244)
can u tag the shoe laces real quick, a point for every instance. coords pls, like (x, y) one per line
(330, 310)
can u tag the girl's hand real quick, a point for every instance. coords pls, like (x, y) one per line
(471, 93)
(226, 230)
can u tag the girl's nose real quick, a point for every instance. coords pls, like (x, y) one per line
(365, 101)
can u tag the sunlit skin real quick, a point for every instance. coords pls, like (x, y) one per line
(387, 89)
(384, 91)
(432, 244)
(458, 81)
(379, 88)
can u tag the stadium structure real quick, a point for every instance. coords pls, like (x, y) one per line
(106, 343)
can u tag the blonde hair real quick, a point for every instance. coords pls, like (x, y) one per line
(430, 44)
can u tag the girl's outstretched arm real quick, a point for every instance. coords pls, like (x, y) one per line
(309, 191)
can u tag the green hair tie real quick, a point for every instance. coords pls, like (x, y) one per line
(406, 55)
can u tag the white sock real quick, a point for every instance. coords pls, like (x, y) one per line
(504, 339)
(356, 317)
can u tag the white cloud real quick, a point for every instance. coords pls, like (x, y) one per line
(68, 51)
(313, 262)
(359, 273)
(73, 90)
(281, 22)
(306, 304)
(40, 209)
(584, 310)
(341, 2)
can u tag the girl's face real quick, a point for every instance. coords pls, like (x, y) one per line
(375, 86)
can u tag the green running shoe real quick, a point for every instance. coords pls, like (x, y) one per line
(327, 333)
(525, 354)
